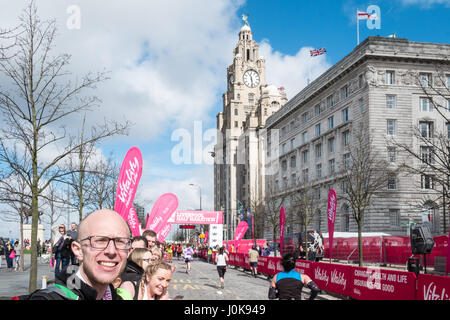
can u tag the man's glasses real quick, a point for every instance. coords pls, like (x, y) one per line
(102, 242)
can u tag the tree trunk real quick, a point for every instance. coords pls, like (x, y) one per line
(360, 247)
(22, 259)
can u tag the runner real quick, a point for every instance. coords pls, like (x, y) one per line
(221, 260)
(179, 250)
(187, 253)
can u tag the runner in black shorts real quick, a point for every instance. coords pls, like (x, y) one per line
(221, 260)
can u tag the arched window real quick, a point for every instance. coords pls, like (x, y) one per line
(235, 112)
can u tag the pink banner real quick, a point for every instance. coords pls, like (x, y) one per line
(161, 212)
(206, 236)
(130, 174)
(197, 217)
(133, 222)
(432, 287)
(164, 232)
(332, 277)
(239, 233)
(331, 217)
(282, 222)
(447, 265)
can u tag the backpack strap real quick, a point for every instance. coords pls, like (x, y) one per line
(63, 291)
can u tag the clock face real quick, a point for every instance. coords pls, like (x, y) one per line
(231, 79)
(251, 78)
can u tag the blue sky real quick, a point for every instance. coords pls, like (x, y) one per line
(168, 64)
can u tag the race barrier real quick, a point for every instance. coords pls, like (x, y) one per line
(360, 283)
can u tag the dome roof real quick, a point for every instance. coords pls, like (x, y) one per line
(246, 28)
(271, 90)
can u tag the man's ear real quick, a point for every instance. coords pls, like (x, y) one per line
(77, 251)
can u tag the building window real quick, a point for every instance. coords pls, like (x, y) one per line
(331, 122)
(425, 79)
(305, 157)
(345, 115)
(425, 104)
(344, 92)
(330, 101)
(346, 219)
(391, 127)
(305, 117)
(317, 193)
(360, 81)
(317, 110)
(361, 105)
(293, 180)
(236, 124)
(448, 130)
(305, 137)
(283, 148)
(426, 129)
(347, 161)
(251, 98)
(265, 111)
(392, 182)
(448, 104)
(447, 82)
(293, 161)
(391, 101)
(292, 125)
(392, 154)
(284, 165)
(317, 130)
(305, 175)
(390, 77)
(331, 145)
(346, 138)
(235, 112)
(319, 170)
(319, 151)
(426, 154)
(239, 96)
(427, 182)
(345, 186)
(394, 217)
(292, 143)
(331, 166)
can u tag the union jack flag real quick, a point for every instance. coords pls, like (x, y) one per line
(317, 52)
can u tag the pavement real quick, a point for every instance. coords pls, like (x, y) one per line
(14, 283)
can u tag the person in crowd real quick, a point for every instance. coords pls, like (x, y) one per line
(221, 261)
(157, 254)
(210, 252)
(62, 250)
(17, 251)
(101, 248)
(154, 283)
(169, 251)
(9, 248)
(150, 235)
(289, 283)
(138, 261)
(138, 242)
(72, 235)
(253, 256)
(179, 251)
(2, 252)
(188, 254)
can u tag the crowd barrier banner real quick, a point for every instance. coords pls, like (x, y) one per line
(331, 277)
(432, 287)
(382, 284)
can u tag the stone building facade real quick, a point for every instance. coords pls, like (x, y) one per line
(376, 87)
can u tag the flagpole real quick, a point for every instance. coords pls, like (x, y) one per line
(357, 27)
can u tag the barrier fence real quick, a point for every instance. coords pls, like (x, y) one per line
(357, 282)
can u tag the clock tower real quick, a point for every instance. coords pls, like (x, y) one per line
(243, 101)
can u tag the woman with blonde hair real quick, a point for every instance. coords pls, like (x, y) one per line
(154, 283)
(138, 261)
(157, 254)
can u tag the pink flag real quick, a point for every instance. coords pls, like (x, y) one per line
(130, 174)
(239, 233)
(163, 209)
(282, 223)
(447, 266)
(133, 222)
(164, 232)
(206, 236)
(331, 214)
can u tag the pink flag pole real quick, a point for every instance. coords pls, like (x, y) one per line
(282, 223)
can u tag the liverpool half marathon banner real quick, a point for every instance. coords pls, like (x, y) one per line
(197, 217)
(331, 217)
(130, 174)
(161, 212)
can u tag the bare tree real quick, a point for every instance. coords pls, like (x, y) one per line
(363, 174)
(305, 204)
(55, 204)
(34, 105)
(103, 182)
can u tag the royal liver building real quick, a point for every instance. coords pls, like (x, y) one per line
(238, 155)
